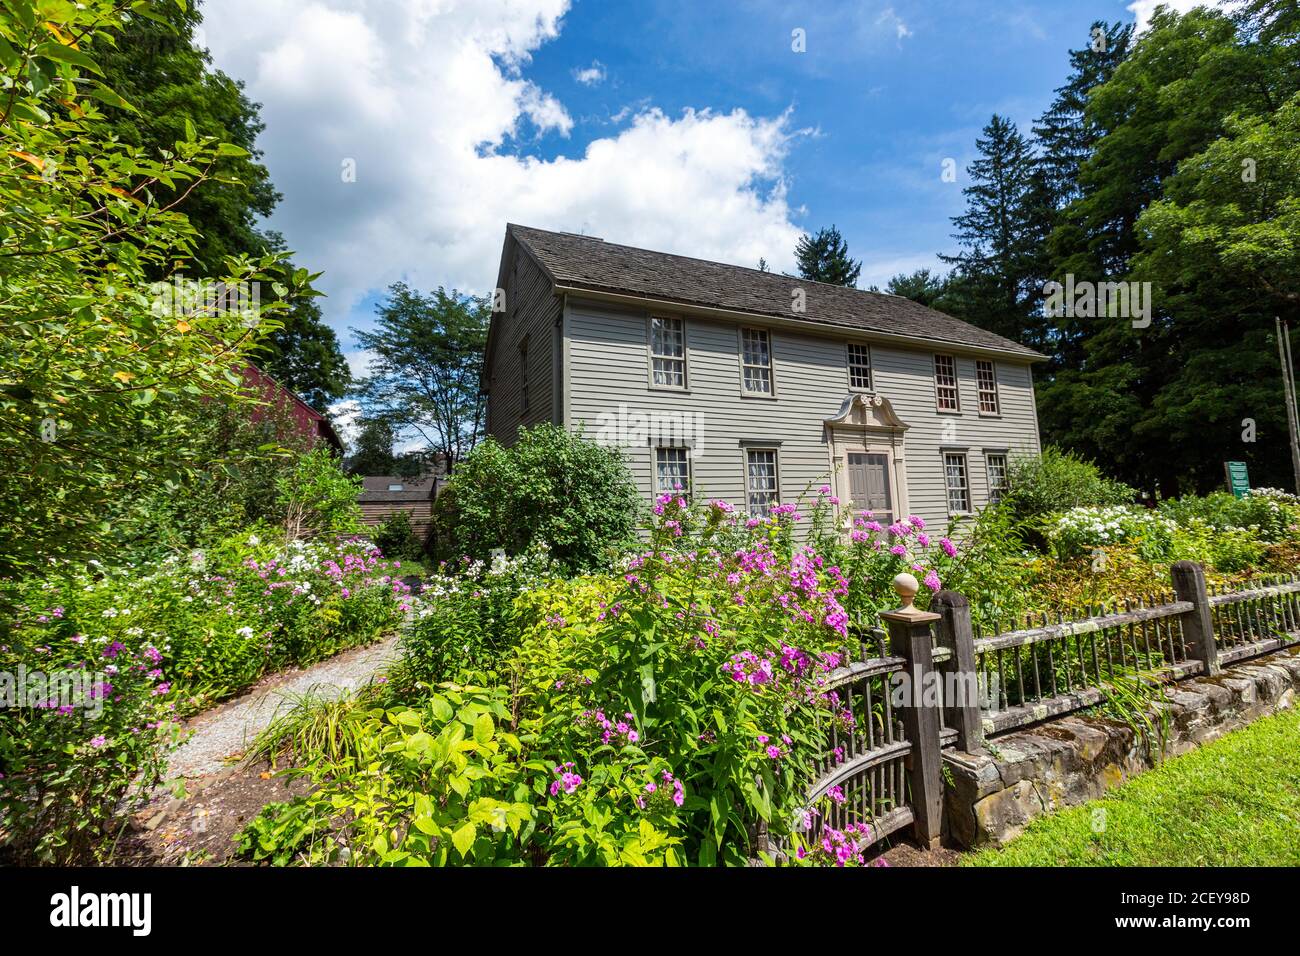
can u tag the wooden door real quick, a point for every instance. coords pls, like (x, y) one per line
(869, 485)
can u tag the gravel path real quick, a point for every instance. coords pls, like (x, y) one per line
(226, 730)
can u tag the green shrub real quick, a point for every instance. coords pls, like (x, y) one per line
(1267, 518)
(1057, 481)
(649, 717)
(396, 538)
(157, 641)
(552, 486)
(466, 619)
(318, 498)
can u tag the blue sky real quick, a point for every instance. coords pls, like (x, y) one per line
(690, 127)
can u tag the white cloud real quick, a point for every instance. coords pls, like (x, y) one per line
(427, 101)
(346, 418)
(592, 75)
(359, 362)
(1144, 9)
(889, 19)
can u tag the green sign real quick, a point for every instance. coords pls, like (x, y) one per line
(1238, 479)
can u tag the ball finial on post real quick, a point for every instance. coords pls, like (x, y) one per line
(906, 586)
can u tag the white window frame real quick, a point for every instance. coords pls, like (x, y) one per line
(964, 487)
(672, 323)
(940, 388)
(746, 365)
(855, 366)
(774, 491)
(685, 459)
(996, 489)
(991, 392)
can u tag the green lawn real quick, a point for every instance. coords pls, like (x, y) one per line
(1235, 802)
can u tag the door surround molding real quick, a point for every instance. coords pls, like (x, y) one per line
(867, 424)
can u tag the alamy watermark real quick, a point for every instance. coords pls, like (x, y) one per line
(65, 691)
(183, 298)
(630, 428)
(1091, 300)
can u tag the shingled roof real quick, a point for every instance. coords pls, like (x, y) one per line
(585, 262)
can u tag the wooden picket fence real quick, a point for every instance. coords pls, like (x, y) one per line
(966, 686)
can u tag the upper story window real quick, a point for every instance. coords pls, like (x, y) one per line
(756, 361)
(986, 378)
(667, 352)
(860, 367)
(945, 384)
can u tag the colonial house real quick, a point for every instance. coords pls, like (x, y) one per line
(755, 387)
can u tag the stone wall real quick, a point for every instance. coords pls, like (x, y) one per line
(991, 795)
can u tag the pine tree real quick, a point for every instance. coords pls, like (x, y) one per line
(825, 258)
(1001, 235)
(1064, 137)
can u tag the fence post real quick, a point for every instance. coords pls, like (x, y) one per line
(1198, 624)
(910, 638)
(955, 626)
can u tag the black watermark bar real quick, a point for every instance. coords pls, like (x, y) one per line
(138, 908)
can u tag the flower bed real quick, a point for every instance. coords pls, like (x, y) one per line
(653, 715)
(100, 665)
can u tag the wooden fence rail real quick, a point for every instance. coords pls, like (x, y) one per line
(934, 682)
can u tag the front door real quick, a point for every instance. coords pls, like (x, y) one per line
(869, 486)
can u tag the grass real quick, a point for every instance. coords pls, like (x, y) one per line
(1234, 802)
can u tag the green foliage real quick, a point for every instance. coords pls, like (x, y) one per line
(1266, 517)
(318, 498)
(824, 257)
(466, 619)
(396, 538)
(1057, 480)
(445, 784)
(373, 452)
(233, 487)
(156, 66)
(166, 639)
(303, 355)
(101, 383)
(426, 364)
(551, 487)
(996, 284)
(654, 718)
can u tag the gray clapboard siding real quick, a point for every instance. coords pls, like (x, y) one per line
(607, 378)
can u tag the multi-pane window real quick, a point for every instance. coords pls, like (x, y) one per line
(672, 470)
(997, 466)
(945, 383)
(668, 352)
(523, 374)
(986, 379)
(860, 367)
(760, 480)
(756, 361)
(957, 483)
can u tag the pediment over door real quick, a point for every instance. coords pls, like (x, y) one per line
(871, 412)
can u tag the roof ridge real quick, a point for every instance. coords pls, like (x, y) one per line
(713, 262)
